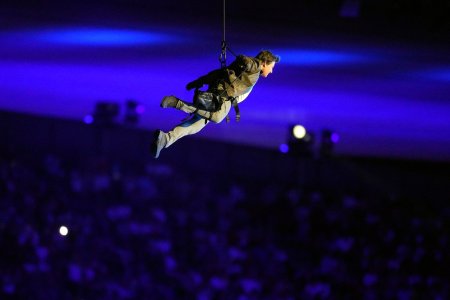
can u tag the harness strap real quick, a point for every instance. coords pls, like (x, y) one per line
(236, 110)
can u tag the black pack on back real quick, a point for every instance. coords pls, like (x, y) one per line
(208, 101)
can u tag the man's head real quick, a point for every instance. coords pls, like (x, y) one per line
(268, 60)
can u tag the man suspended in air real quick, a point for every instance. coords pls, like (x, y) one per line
(226, 87)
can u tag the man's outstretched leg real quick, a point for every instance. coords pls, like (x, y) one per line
(174, 102)
(216, 117)
(159, 142)
(164, 140)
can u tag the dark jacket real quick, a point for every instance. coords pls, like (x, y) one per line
(234, 80)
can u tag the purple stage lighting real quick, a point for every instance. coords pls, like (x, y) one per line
(335, 137)
(140, 109)
(101, 37)
(88, 119)
(305, 57)
(284, 148)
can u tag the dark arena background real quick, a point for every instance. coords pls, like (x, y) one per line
(356, 209)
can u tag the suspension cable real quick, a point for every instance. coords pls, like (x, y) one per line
(223, 18)
(223, 54)
(225, 48)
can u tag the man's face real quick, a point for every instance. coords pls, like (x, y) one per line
(267, 68)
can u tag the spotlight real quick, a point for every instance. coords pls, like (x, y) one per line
(298, 131)
(300, 141)
(63, 230)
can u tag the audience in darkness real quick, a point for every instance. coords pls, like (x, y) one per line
(132, 235)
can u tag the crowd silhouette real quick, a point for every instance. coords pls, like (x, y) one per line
(155, 232)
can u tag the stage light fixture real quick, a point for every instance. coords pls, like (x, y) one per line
(327, 142)
(106, 113)
(133, 110)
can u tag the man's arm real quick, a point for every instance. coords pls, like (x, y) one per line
(210, 78)
(244, 63)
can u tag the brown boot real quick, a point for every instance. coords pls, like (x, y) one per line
(169, 101)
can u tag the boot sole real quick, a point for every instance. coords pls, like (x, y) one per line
(154, 146)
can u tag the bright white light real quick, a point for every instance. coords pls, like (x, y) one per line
(63, 230)
(299, 131)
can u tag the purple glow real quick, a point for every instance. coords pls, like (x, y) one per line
(335, 137)
(140, 109)
(370, 279)
(100, 37)
(284, 148)
(321, 57)
(88, 119)
(439, 74)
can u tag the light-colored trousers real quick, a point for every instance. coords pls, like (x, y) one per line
(197, 122)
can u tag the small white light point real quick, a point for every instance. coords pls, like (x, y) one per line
(63, 230)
